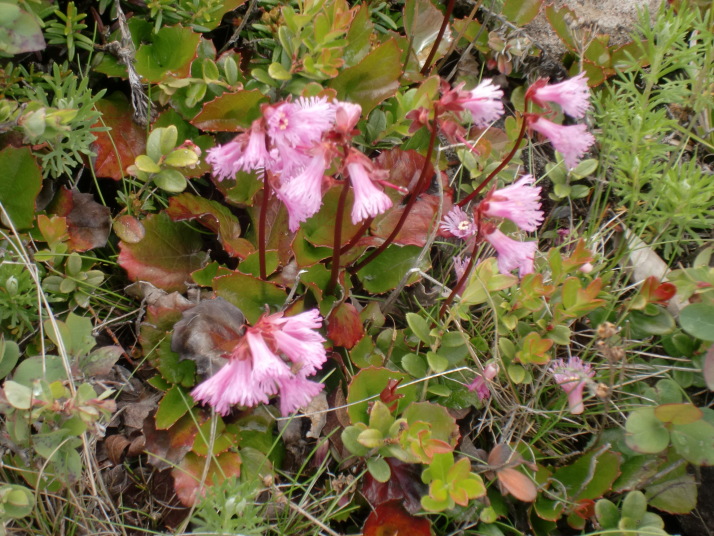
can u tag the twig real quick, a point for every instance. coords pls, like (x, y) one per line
(236, 34)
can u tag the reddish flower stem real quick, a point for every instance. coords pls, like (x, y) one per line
(439, 37)
(412, 197)
(461, 282)
(336, 249)
(502, 165)
(359, 234)
(261, 226)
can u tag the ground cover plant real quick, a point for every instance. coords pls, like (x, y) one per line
(327, 268)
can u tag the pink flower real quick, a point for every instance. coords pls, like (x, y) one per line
(573, 376)
(458, 223)
(369, 200)
(246, 152)
(572, 141)
(519, 202)
(480, 384)
(512, 254)
(302, 194)
(296, 393)
(484, 102)
(274, 356)
(300, 123)
(230, 386)
(347, 115)
(572, 95)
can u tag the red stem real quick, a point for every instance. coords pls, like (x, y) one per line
(460, 284)
(502, 165)
(261, 226)
(336, 249)
(439, 37)
(412, 197)
(359, 234)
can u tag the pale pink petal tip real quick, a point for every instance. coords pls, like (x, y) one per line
(513, 254)
(572, 95)
(571, 141)
(573, 376)
(519, 202)
(458, 223)
(369, 200)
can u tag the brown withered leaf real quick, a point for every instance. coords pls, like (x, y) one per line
(88, 222)
(116, 446)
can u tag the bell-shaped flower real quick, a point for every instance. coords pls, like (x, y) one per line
(302, 193)
(573, 376)
(299, 123)
(571, 141)
(369, 200)
(572, 95)
(484, 102)
(480, 383)
(519, 202)
(512, 254)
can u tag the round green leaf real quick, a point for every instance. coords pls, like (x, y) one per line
(645, 432)
(379, 469)
(171, 180)
(697, 319)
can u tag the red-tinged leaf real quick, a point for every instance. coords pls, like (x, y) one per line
(230, 112)
(166, 447)
(129, 229)
(404, 485)
(416, 228)
(373, 79)
(708, 368)
(391, 518)
(517, 484)
(170, 53)
(118, 148)
(53, 229)
(188, 475)
(320, 229)
(560, 20)
(503, 456)
(88, 222)
(20, 184)
(344, 327)
(166, 256)
(215, 217)
(421, 23)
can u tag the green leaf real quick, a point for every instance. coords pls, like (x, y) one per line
(146, 164)
(373, 79)
(16, 501)
(174, 405)
(694, 442)
(20, 30)
(19, 396)
(660, 323)
(436, 362)
(379, 469)
(9, 355)
(645, 432)
(420, 328)
(697, 319)
(170, 53)
(349, 439)
(386, 271)
(607, 514)
(20, 184)
(521, 12)
(676, 495)
(414, 365)
(181, 158)
(249, 294)
(634, 506)
(171, 180)
(230, 112)
(421, 24)
(370, 382)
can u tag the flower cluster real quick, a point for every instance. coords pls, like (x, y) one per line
(573, 376)
(573, 97)
(520, 203)
(275, 356)
(294, 143)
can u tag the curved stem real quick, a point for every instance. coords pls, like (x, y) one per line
(336, 249)
(502, 165)
(439, 37)
(419, 187)
(359, 234)
(461, 282)
(261, 226)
